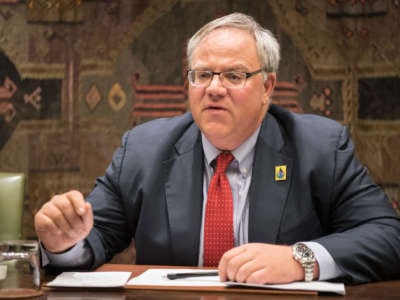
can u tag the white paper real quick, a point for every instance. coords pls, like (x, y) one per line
(158, 277)
(90, 279)
(318, 286)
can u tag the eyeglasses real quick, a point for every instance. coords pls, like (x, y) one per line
(229, 79)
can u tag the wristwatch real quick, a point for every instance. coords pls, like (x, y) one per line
(306, 258)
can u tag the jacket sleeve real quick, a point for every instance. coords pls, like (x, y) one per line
(110, 233)
(365, 229)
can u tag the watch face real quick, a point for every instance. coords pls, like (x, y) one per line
(304, 252)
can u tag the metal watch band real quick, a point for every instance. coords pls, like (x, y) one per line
(308, 272)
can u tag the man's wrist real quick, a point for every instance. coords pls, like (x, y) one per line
(56, 252)
(305, 257)
(77, 256)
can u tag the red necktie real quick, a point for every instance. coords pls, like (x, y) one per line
(218, 227)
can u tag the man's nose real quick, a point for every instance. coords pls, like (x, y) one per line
(216, 81)
(216, 89)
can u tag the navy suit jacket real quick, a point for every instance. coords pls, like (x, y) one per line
(153, 192)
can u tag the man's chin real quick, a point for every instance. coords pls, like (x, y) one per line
(215, 130)
(219, 137)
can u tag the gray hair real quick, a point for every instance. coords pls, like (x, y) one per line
(267, 46)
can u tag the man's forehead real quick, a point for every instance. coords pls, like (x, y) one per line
(232, 46)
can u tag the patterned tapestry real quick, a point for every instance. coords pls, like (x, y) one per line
(25, 99)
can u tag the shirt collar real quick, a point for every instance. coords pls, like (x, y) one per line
(244, 154)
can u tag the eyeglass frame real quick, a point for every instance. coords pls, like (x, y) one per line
(247, 75)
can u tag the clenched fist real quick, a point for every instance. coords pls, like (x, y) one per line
(63, 221)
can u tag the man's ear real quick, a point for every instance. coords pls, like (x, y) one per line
(269, 86)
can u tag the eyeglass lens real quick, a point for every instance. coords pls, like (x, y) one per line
(229, 79)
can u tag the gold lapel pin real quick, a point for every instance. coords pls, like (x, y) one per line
(280, 173)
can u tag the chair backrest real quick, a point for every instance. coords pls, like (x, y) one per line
(12, 192)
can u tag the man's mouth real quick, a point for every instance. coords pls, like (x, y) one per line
(212, 107)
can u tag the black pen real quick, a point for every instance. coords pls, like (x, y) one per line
(173, 276)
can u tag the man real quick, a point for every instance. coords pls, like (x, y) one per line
(293, 178)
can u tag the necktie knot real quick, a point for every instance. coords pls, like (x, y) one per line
(222, 162)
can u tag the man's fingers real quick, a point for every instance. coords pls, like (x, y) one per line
(87, 218)
(55, 211)
(225, 269)
(241, 266)
(78, 202)
(45, 224)
(259, 276)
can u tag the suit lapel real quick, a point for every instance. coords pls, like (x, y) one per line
(268, 195)
(184, 197)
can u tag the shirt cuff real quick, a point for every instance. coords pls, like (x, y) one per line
(328, 269)
(78, 256)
